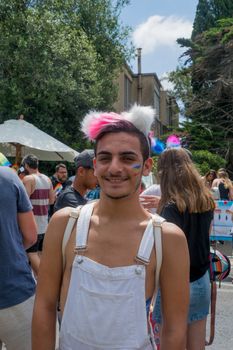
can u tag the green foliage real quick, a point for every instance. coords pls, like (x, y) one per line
(208, 13)
(205, 160)
(181, 80)
(58, 60)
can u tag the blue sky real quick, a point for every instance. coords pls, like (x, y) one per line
(156, 24)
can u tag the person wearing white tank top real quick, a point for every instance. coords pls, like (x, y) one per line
(108, 269)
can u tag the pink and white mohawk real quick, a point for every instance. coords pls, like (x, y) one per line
(141, 117)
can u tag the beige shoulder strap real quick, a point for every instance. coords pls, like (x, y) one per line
(74, 214)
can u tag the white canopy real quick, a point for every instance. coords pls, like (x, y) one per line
(19, 136)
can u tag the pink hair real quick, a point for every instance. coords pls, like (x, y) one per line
(94, 122)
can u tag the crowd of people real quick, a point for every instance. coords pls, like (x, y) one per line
(133, 272)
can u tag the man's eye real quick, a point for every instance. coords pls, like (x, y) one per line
(101, 159)
(129, 159)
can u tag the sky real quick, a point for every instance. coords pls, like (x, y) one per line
(156, 24)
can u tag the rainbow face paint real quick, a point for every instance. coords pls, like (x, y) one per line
(136, 167)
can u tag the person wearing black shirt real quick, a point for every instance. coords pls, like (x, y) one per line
(224, 185)
(73, 196)
(187, 202)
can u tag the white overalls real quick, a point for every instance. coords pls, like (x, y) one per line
(106, 307)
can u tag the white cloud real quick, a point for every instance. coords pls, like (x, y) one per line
(167, 85)
(161, 31)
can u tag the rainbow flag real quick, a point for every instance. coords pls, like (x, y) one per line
(57, 189)
(4, 161)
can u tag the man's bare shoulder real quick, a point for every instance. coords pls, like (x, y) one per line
(28, 178)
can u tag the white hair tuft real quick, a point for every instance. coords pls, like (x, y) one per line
(141, 117)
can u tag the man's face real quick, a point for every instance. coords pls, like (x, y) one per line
(62, 174)
(119, 165)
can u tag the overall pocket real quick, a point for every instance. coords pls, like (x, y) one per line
(104, 320)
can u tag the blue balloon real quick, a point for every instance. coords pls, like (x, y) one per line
(158, 147)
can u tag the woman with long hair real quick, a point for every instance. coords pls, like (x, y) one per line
(224, 185)
(209, 177)
(187, 202)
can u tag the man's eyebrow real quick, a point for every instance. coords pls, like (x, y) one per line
(128, 153)
(120, 153)
(103, 152)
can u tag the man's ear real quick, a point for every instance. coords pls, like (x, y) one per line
(147, 167)
(80, 171)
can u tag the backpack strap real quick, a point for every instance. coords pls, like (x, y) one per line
(74, 214)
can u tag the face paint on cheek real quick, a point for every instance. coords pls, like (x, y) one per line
(136, 168)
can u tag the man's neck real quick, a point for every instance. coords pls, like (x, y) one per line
(121, 208)
(34, 172)
(79, 188)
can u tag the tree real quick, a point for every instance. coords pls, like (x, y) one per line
(53, 68)
(205, 160)
(209, 12)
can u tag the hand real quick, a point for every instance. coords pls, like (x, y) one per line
(149, 201)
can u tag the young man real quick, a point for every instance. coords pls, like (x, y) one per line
(18, 231)
(84, 180)
(40, 191)
(104, 289)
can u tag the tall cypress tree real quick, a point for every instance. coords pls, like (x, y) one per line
(209, 12)
(203, 19)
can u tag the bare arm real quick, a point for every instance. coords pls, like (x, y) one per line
(28, 228)
(52, 194)
(48, 286)
(174, 283)
(149, 201)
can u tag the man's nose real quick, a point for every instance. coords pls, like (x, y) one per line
(115, 166)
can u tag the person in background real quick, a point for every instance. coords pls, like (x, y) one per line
(209, 177)
(84, 180)
(107, 284)
(60, 178)
(150, 198)
(60, 181)
(93, 194)
(187, 202)
(224, 185)
(21, 172)
(17, 285)
(40, 191)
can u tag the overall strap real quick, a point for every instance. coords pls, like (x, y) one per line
(146, 245)
(74, 214)
(148, 239)
(82, 227)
